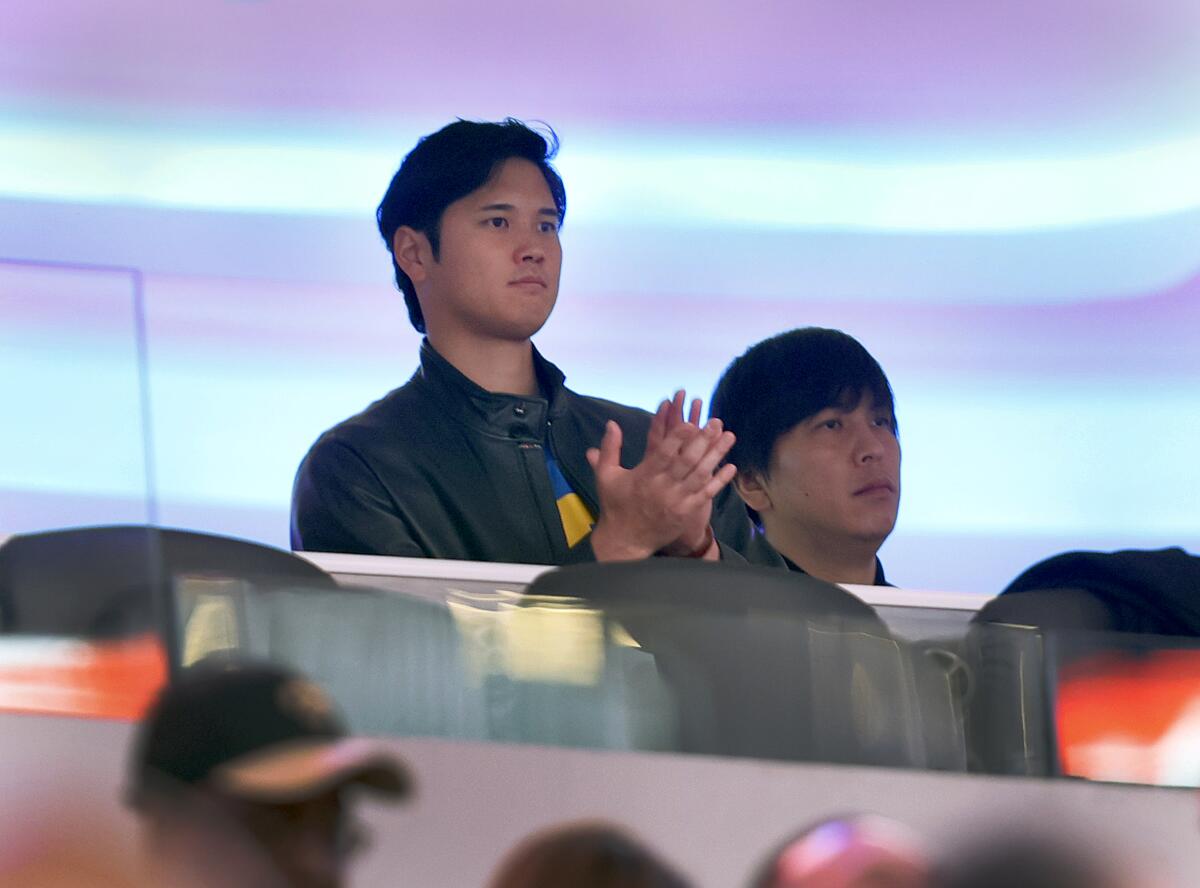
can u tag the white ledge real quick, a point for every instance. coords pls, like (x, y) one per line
(445, 569)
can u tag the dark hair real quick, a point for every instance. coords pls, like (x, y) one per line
(448, 165)
(782, 381)
(584, 855)
(1027, 860)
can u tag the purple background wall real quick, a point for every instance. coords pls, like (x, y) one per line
(1002, 206)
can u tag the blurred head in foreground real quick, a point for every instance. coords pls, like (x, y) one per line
(862, 851)
(242, 773)
(1033, 862)
(584, 855)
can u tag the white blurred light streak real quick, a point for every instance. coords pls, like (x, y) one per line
(625, 181)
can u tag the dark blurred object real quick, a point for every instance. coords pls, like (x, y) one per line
(860, 851)
(1154, 592)
(1068, 604)
(1025, 862)
(584, 855)
(770, 663)
(102, 582)
(1009, 723)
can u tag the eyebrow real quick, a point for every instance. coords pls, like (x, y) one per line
(509, 208)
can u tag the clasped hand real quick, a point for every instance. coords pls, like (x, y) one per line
(664, 504)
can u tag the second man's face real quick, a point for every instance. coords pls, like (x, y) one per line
(836, 476)
(498, 267)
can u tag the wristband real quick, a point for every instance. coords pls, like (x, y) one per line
(708, 541)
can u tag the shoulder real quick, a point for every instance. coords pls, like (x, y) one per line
(589, 415)
(601, 410)
(399, 408)
(395, 416)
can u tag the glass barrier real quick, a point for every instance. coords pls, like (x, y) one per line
(660, 656)
(72, 377)
(496, 664)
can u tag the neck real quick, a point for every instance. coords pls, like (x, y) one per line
(852, 562)
(493, 365)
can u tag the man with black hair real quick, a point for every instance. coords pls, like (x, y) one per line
(484, 454)
(817, 452)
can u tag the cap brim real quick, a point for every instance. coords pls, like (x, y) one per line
(306, 768)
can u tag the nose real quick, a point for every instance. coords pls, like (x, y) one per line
(868, 445)
(529, 251)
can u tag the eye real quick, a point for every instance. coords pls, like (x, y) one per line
(831, 424)
(885, 422)
(548, 227)
(497, 222)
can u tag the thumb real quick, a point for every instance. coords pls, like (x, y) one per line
(609, 456)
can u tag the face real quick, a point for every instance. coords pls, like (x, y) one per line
(309, 841)
(303, 844)
(496, 275)
(835, 478)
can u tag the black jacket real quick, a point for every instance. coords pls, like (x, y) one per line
(1135, 590)
(441, 468)
(756, 550)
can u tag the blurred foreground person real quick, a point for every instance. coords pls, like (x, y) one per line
(66, 854)
(584, 855)
(1034, 862)
(242, 774)
(856, 852)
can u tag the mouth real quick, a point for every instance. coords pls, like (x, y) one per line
(528, 281)
(877, 487)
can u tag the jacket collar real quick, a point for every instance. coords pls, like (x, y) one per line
(494, 412)
(880, 579)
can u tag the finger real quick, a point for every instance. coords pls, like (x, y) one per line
(673, 412)
(658, 425)
(593, 457)
(724, 475)
(663, 456)
(715, 484)
(675, 417)
(694, 416)
(704, 466)
(693, 452)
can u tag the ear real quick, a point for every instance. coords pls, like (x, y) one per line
(753, 490)
(412, 252)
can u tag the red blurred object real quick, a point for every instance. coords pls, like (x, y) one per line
(1131, 717)
(92, 679)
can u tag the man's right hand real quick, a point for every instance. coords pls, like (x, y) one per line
(645, 508)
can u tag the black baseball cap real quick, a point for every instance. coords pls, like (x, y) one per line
(257, 731)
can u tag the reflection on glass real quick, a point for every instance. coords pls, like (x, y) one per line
(71, 380)
(112, 679)
(736, 673)
(529, 638)
(1129, 711)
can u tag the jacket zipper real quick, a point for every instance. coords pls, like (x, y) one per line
(550, 538)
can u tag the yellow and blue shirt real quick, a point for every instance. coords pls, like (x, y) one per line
(577, 518)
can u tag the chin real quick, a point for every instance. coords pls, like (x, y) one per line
(514, 330)
(525, 326)
(875, 536)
